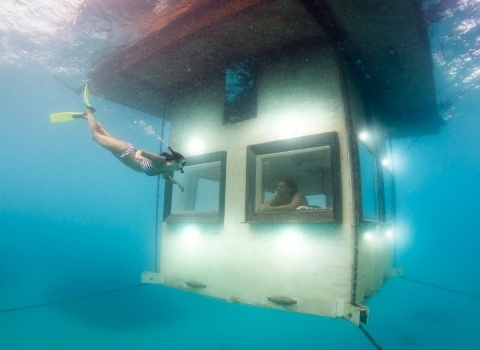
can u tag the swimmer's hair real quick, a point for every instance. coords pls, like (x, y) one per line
(291, 185)
(178, 157)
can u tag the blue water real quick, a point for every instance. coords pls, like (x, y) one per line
(75, 222)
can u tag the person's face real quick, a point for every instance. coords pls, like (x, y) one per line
(179, 165)
(282, 188)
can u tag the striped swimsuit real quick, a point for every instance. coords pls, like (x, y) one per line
(147, 167)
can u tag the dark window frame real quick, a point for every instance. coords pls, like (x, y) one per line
(199, 217)
(304, 142)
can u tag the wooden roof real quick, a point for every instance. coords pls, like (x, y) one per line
(190, 41)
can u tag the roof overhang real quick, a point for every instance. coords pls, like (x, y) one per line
(191, 41)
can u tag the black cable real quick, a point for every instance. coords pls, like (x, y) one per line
(368, 335)
(406, 150)
(22, 308)
(442, 288)
(373, 341)
(157, 208)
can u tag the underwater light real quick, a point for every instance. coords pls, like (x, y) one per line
(190, 234)
(368, 236)
(386, 162)
(196, 146)
(389, 233)
(364, 136)
(287, 128)
(290, 238)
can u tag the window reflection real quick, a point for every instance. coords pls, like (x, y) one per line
(203, 199)
(202, 189)
(368, 172)
(308, 170)
(389, 191)
(309, 163)
(240, 91)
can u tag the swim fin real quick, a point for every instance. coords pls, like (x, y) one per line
(85, 99)
(65, 116)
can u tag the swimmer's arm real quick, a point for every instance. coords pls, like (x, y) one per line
(150, 156)
(172, 180)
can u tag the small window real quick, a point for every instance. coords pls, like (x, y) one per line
(203, 199)
(240, 92)
(368, 172)
(305, 170)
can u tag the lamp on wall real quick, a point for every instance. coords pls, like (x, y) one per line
(287, 128)
(190, 234)
(196, 146)
(389, 233)
(368, 236)
(364, 136)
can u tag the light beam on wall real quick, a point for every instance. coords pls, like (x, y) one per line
(368, 236)
(364, 136)
(190, 234)
(389, 233)
(196, 146)
(287, 128)
(290, 238)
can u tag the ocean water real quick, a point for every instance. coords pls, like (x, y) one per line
(75, 223)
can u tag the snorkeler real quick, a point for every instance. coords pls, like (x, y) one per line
(141, 161)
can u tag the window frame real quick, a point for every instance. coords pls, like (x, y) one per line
(379, 205)
(304, 142)
(199, 217)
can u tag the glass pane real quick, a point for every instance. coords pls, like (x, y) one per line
(306, 172)
(202, 189)
(312, 163)
(368, 165)
(389, 195)
(240, 92)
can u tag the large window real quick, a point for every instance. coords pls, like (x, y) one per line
(203, 199)
(294, 180)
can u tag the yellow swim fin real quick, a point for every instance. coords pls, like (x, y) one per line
(85, 99)
(65, 116)
(68, 116)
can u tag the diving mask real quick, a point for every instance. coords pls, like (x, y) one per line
(181, 163)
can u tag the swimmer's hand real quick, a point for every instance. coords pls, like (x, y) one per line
(182, 188)
(138, 155)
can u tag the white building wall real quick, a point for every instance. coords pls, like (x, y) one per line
(311, 263)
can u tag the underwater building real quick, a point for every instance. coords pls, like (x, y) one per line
(255, 92)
